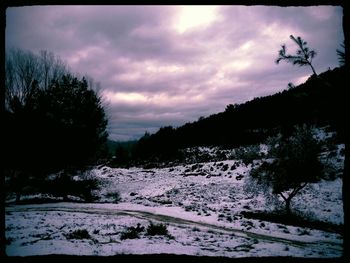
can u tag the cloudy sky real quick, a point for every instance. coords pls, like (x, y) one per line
(168, 65)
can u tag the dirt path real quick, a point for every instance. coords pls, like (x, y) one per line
(80, 208)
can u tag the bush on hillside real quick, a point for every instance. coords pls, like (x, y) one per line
(157, 229)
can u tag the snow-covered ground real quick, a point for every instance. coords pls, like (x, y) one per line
(201, 205)
(43, 229)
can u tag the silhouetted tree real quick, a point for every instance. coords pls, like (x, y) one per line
(75, 122)
(295, 165)
(49, 127)
(290, 85)
(231, 107)
(303, 57)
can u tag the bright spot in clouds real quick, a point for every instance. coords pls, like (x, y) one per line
(151, 68)
(192, 17)
(160, 99)
(237, 65)
(131, 97)
(247, 46)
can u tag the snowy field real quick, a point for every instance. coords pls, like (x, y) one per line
(201, 204)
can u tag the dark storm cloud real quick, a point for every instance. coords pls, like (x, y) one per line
(154, 73)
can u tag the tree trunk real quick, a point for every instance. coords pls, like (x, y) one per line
(18, 196)
(313, 69)
(288, 211)
(65, 187)
(18, 184)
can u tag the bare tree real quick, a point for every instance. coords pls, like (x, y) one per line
(59, 68)
(303, 57)
(9, 81)
(47, 59)
(21, 68)
(53, 68)
(25, 71)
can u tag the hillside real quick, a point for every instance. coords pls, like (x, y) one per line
(318, 101)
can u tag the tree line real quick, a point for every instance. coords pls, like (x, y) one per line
(253, 121)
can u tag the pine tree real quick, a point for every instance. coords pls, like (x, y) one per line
(304, 55)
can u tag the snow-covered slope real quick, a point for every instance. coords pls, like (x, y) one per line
(213, 188)
(200, 203)
(210, 195)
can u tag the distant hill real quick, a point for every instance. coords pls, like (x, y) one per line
(319, 101)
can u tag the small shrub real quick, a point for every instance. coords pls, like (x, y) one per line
(247, 224)
(196, 229)
(78, 234)
(303, 232)
(248, 154)
(129, 235)
(157, 229)
(132, 232)
(239, 177)
(224, 167)
(175, 191)
(165, 202)
(115, 196)
(188, 208)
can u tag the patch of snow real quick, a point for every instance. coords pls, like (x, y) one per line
(33, 231)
